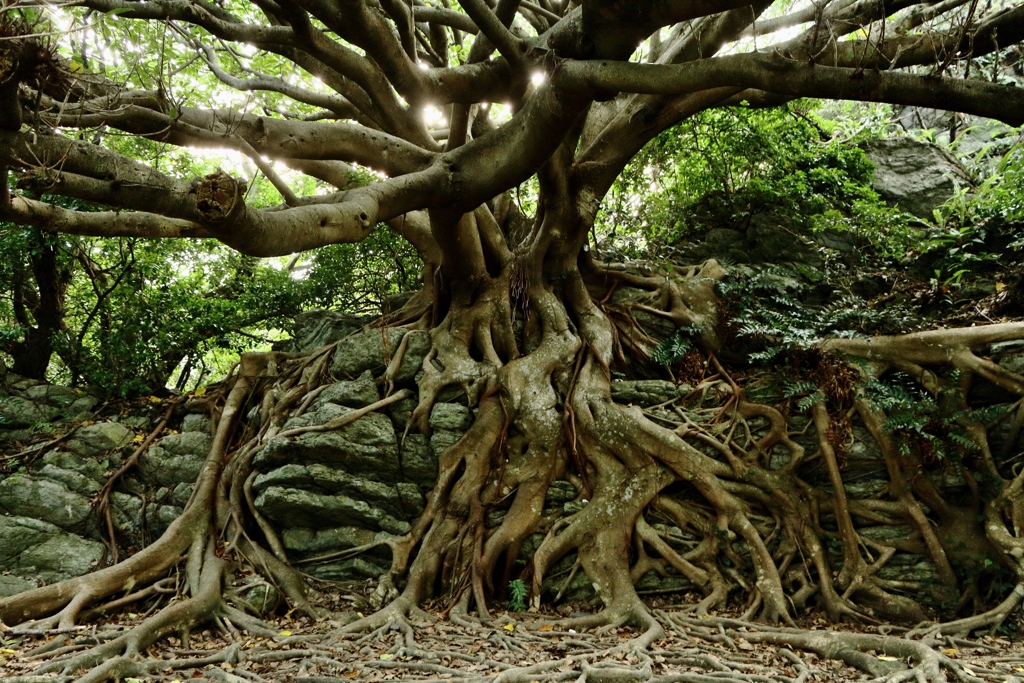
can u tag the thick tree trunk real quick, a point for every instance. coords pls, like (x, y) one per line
(46, 306)
(32, 355)
(533, 344)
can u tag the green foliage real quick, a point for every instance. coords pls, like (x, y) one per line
(135, 310)
(138, 313)
(359, 277)
(673, 349)
(808, 392)
(917, 421)
(722, 166)
(978, 227)
(518, 593)
(772, 314)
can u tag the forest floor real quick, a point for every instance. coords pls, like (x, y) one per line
(437, 645)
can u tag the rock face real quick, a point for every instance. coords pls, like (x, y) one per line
(331, 491)
(314, 329)
(48, 528)
(372, 349)
(915, 176)
(35, 550)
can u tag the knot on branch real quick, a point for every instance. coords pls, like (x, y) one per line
(217, 195)
(39, 180)
(25, 59)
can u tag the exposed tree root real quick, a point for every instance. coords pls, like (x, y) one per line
(467, 649)
(755, 531)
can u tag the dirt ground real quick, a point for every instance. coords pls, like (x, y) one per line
(516, 647)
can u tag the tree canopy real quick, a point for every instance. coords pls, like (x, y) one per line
(447, 108)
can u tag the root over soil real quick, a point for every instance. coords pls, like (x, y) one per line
(717, 465)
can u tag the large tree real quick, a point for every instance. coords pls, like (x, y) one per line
(559, 92)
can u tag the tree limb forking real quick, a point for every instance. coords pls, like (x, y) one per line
(98, 223)
(778, 74)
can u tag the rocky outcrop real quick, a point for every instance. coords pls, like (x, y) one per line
(766, 237)
(34, 550)
(48, 527)
(28, 403)
(331, 491)
(647, 393)
(327, 492)
(916, 176)
(314, 329)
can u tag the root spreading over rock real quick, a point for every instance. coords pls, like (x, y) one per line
(714, 464)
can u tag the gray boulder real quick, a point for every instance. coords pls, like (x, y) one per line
(82, 408)
(52, 394)
(12, 585)
(160, 467)
(36, 550)
(369, 350)
(127, 513)
(923, 571)
(79, 483)
(194, 422)
(159, 517)
(320, 414)
(367, 447)
(419, 461)
(181, 493)
(354, 569)
(416, 350)
(87, 467)
(317, 541)
(448, 422)
(314, 329)
(16, 411)
(176, 459)
(195, 444)
(443, 439)
(400, 412)
(915, 176)
(19, 383)
(298, 508)
(263, 598)
(329, 480)
(100, 438)
(356, 393)
(771, 240)
(559, 493)
(411, 499)
(43, 499)
(450, 416)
